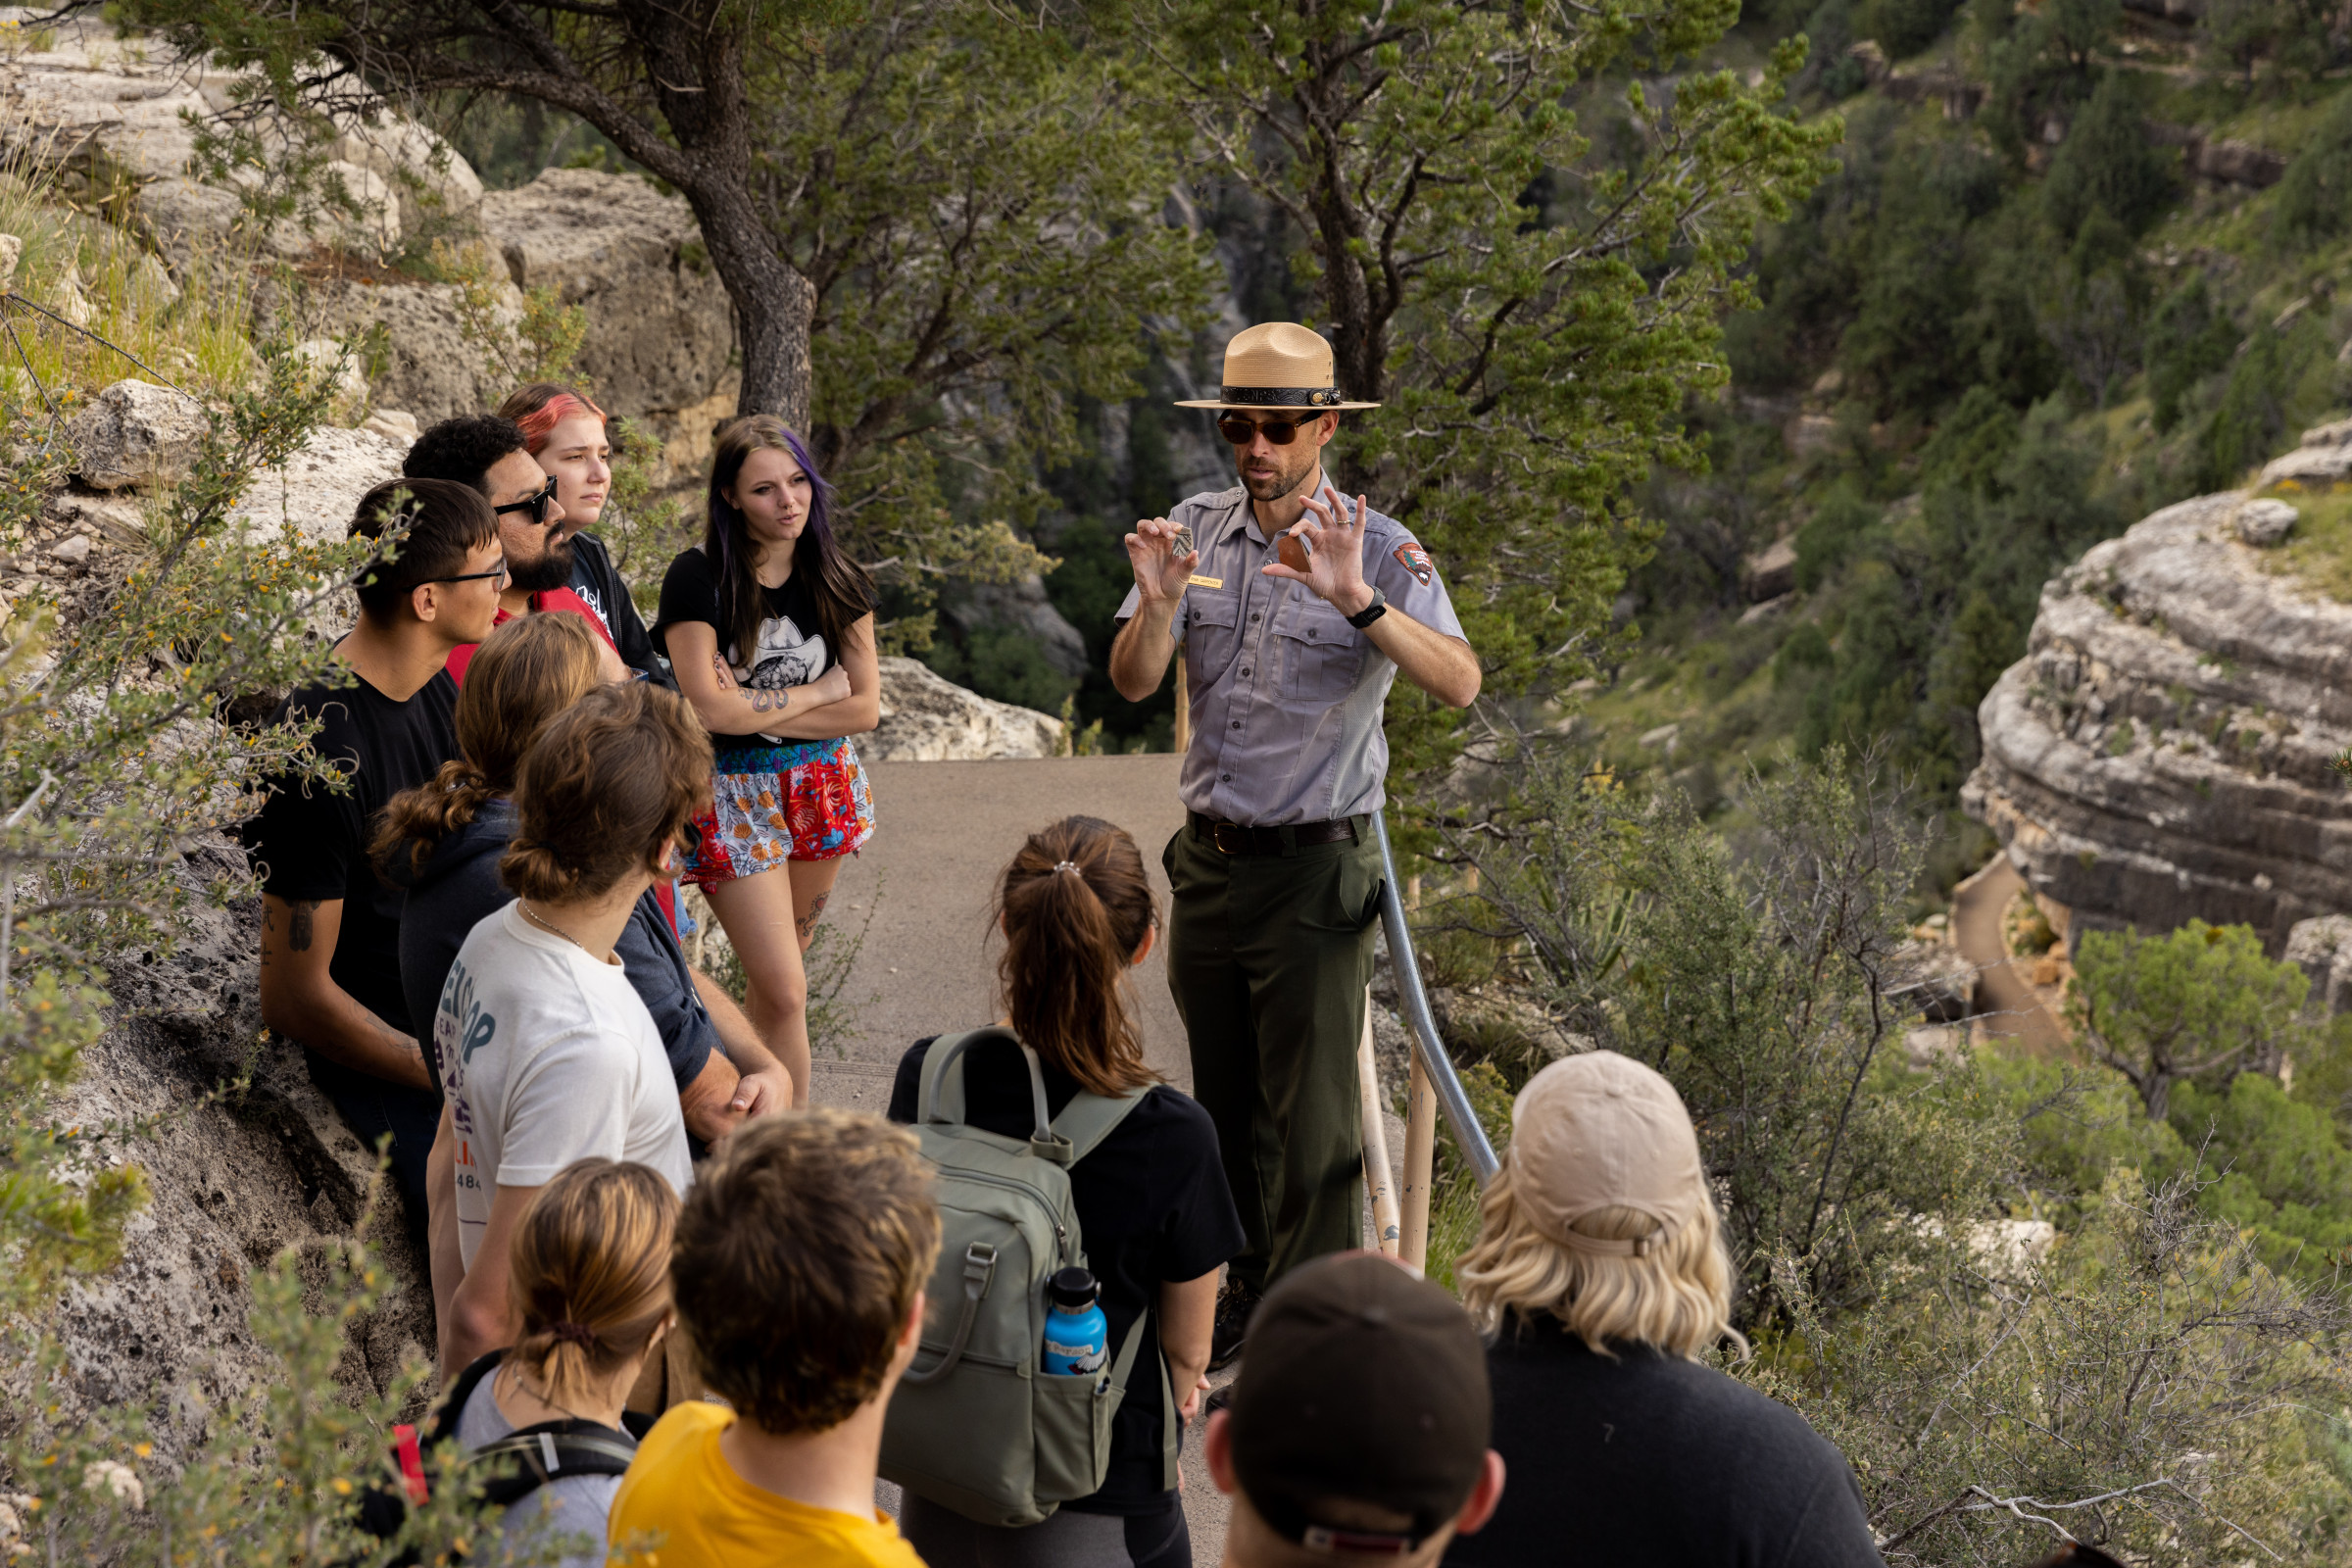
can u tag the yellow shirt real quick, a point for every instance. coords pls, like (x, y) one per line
(681, 1487)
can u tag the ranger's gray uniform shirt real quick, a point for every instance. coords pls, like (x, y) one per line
(1285, 695)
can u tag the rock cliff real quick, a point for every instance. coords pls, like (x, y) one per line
(2163, 751)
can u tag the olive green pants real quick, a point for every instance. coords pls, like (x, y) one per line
(1268, 956)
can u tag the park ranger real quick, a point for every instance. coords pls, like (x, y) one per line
(1277, 877)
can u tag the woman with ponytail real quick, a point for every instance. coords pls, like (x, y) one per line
(1077, 915)
(769, 628)
(547, 1054)
(588, 1278)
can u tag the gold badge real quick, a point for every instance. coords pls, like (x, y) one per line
(1199, 582)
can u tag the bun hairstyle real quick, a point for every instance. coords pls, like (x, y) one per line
(604, 784)
(526, 672)
(1074, 906)
(842, 588)
(588, 1275)
(539, 407)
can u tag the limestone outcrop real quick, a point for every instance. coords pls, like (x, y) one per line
(236, 1175)
(659, 323)
(135, 433)
(2164, 750)
(112, 114)
(927, 718)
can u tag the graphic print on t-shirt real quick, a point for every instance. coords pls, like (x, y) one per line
(462, 1026)
(786, 656)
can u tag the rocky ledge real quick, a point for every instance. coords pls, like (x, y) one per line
(2163, 751)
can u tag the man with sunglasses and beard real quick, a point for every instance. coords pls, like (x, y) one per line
(1297, 608)
(493, 456)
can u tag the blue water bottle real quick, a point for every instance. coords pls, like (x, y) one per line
(1077, 1333)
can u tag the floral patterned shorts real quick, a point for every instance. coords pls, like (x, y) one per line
(804, 802)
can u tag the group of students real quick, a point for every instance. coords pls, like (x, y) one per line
(476, 940)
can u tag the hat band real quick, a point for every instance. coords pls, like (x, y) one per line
(1282, 397)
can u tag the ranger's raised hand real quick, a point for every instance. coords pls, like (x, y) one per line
(1335, 552)
(1160, 571)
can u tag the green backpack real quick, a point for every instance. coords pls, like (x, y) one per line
(976, 1425)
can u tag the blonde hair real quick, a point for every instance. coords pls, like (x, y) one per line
(588, 1274)
(1677, 1298)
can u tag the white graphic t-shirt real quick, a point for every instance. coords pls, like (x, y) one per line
(788, 648)
(548, 1056)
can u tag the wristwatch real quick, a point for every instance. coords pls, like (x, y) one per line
(1371, 612)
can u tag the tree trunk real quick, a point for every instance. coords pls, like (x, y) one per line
(775, 305)
(694, 64)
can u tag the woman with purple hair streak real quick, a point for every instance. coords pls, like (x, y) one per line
(769, 628)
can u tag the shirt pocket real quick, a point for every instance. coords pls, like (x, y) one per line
(1321, 654)
(1211, 634)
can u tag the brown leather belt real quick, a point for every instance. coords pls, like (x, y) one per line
(1232, 838)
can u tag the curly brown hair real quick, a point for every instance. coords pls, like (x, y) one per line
(606, 783)
(800, 1250)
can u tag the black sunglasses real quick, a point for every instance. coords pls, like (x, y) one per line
(499, 572)
(536, 505)
(1240, 432)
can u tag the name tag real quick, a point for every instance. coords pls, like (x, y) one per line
(1199, 582)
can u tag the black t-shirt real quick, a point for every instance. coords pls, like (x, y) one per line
(1650, 1459)
(597, 583)
(1152, 1209)
(313, 844)
(790, 650)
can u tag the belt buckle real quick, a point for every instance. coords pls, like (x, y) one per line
(1229, 838)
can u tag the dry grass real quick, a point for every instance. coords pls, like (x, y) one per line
(191, 334)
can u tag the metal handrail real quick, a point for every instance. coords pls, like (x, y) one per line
(1468, 1135)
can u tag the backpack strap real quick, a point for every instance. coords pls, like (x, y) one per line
(942, 1099)
(552, 1450)
(1088, 1119)
(443, 1427)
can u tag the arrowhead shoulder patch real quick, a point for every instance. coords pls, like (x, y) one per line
(1415, 560)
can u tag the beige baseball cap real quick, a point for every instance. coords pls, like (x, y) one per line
(1600, 1131)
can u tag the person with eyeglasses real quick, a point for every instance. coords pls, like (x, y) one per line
(493, 456)
(1297, 608)
(329, 948)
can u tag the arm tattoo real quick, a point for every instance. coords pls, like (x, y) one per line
(298, 928)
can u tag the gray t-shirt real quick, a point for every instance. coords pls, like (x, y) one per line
(1285, 695)
(568, 1505)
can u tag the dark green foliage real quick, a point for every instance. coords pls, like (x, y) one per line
(1822, 543)
(1005, 662)
(2108, 163)
(1907, 343)
(2252, 417)
(2040, 58)
(2314, 195)
(1904, 26)
(2290, 38)
(2279, 1167)
(2189, 340)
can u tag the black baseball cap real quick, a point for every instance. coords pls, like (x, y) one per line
(1363, 1383)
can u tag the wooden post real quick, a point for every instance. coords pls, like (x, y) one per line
(1420, 1155)
(1379, 1182)
(1184, 711)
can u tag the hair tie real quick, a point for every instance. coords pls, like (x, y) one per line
(579, 1334)
(1071, 866)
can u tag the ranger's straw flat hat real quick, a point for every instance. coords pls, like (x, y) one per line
(1277, 364)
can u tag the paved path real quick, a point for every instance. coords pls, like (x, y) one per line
(943, 833)
(2006, 1004)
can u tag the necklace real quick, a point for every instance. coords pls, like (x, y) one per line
(522, 1385)
(537, 919)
